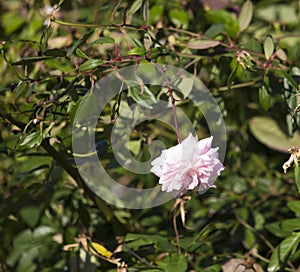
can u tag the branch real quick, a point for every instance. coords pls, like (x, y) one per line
(119, 228)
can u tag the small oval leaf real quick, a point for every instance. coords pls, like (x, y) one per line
(55, 52)
(264, 98)
(245, 15)
(80, 53)
(90, 64)
(137, 51)
(267, 131)
(268, 47)
(202, 44)
(31, 60)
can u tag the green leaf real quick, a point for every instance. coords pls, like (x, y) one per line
(245, 15)
(156, 13)
(30, 215)
(137, 51)
(282, 13)
(294, 206)
(223, 17)
(173, 263)
(284, 228)
(202, 44)
(268, 47)
(145, 8)
(284, 74)
(20, 89)
(267, 131)
(297, 176)
(12, 22)
(103, 40)
(55, 52)
(264, 98)
(32, 140)
(79, 42)
(30, 60)
(185, 86)
(283, 252)
(90, 64)
(141, 95)
(179, 18)
(80, 53)
(214, 30)
(135, 7)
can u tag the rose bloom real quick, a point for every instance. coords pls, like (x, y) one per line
(189, 165)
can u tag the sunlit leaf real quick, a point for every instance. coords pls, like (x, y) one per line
(90, 64)
(267, 131)
(283, 252)
(142, 96)
(137, 51)
(268, 47)
(32, 140)
(100, 249)
(202, 44)
(80, 53)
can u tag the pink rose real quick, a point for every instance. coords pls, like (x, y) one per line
(189, 165)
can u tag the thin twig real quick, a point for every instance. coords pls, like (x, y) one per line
(176, 233)
(172, 99)
(144, 261)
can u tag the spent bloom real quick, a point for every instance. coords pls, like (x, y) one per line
(189, 165)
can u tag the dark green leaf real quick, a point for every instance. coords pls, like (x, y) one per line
(20, 89)
(27, 61)
(173, 263)
(297, 176)
(54, 52)
(30, 215)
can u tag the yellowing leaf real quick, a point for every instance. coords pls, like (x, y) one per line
(96, 249)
